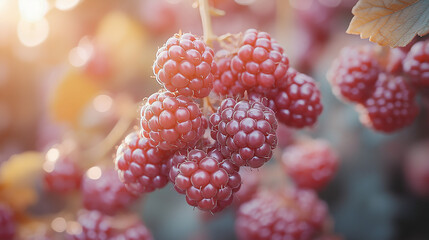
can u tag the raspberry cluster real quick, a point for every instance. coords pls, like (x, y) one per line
(256, 86)
(288, 214)
(310, 163)
(379, 83)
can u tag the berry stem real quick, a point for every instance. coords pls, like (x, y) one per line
(206, 20)
(208, 104)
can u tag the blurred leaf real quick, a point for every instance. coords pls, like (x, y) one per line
(391, 23)
(18, 177)
(71, 96)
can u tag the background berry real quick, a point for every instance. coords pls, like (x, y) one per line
(7, 223)
(245, 131)
(353, 74)
(95, 226)
(391, 105)
(416, 64)
(62, 176)
(416, 169)
(185, 65)
(310, 163)
(171, 122)
(141, 167)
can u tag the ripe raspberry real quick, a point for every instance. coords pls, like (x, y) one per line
(245, 131)
(391, 106)
(141, 167)
(260, 61)
(249, 186)
(394, 60)
(185, 65)
(208, 180)
(226, 82)
(62, 176)
(7, 223)
(311, 164)
(298, 103)
(417, 169)
(353, 74)
(95, 226)
(416, 64)
(172, 122)
(106, 193)
(297, 214)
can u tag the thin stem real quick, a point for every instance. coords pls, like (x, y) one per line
(206, 20)
(208, 104)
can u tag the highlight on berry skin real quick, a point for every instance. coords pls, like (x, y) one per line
(214, 119)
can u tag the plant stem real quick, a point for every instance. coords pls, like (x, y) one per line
(206, 20)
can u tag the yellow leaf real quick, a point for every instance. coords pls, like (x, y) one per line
(18, 177)
(71, 96)
(391, 23)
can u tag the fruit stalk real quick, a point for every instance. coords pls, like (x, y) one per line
(206, 20)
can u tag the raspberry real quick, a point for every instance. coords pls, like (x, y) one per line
(297, 104)
(95, 226)
(226, 82)
(62, 175)
(285, 136)
(141, 167)
(208, 180)
(185, 65)
(106, 193)
(417, 169)
(416, 64)
(7, 223)
(391, 106)
(171, 122)
(249, 186)
(297, 214)
(353, 74)
(311, 164)
(137, 231)
(260, 61)
(394, 60)
(245, 131)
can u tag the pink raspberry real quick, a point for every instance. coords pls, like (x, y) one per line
(245, 131)
(416, 169)
(185, 65)
(141, 167)
(260, 61)
(226, 82)
(62, 176)
(171, 122)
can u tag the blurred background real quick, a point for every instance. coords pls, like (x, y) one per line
(71, 70)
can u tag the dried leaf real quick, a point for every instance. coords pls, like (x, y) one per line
(391, 23)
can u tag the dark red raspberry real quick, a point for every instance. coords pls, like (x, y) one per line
(297, 104)
(260, 61)
(95, 226)
(391, 105)
(249, 186)
(185, 65)
(172, 122)
(7, 223)
(416, 64)
(141, 167)
(62, 175)
(106, 193)
(208, 180)
(245, 132)
(226, 82)
(417, 169)
(353, 74)
(294, 215)
(310, 163)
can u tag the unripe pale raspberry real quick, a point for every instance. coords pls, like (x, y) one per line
(416, 64)
(226, 82)
(310, 163)
(171, 122)
(185, 65)
(245, 131)
(260, 61)
(62, 176)
(391, 105)
(7, 223)
(106, 193)
(295, 215)
(208, 180)
(141, 167)
(353, 74)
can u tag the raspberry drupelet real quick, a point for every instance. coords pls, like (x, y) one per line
(172, 122)
(226, 82)
(141, 167)
(185, 65)
(245, 132)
